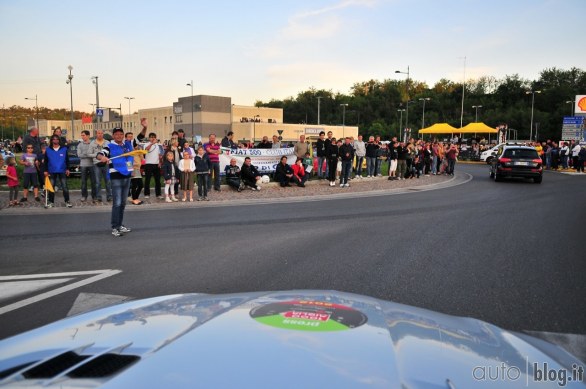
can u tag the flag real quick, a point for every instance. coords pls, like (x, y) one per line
(48, 185)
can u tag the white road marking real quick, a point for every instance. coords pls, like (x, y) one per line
(12, 289)
(99, 275)
(86, 302)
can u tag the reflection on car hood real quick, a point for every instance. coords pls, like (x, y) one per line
(286, 339)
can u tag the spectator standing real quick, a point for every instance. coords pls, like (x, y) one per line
(321, 155)
(86, 165)
(301, 147)
(371, 151)
(346, 153)
(136, 180)
(276, 142)
(576, 156)
(228, 142)
(360, 151)
(333, 156)
(187, 168)
(120, 169)
(59, 133)
(213, 151)
(451, 156)
(170, 174)
(564, 153)
(100, 170)
(250, 175)
(152, 167)
(402, 153)
(181, 139)
(393, 160)
(202, 170)
(12, 180)
(32, 138)
(265, 144)
(581, 159)
(56, 161)
(30, 176)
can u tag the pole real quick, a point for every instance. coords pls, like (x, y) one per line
(70, 79)
(318, 109)
(98, 118)
(344, 119)
(532, 105)
(463, 92)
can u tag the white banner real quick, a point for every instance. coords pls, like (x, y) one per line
(265, 160)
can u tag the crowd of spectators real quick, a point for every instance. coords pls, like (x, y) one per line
(177, 165)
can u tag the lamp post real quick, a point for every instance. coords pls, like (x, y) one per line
(37, 109)
(532, 93)
(424, 99)
(70, 82)
(476, 108)
(318, 107)
(192, 108)
(343, 119)
(463, 92)
(407, 88)
(400, 120)
(571, 106)
(95, 82)
(129, 98)
(254, 128)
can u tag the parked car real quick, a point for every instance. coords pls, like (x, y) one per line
(74, 160)
(516, 161)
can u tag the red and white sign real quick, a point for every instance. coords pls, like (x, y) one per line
(307, 315)
(580, 107)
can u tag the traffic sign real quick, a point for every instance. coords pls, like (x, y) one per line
(573, 120)
(99, 112)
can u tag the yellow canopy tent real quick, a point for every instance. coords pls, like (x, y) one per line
(476, 128)
(439, 128)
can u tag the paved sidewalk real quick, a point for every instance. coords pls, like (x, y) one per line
(272, 190)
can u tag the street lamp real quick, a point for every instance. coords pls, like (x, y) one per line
(407, 88)
(70, 82)
(400, 120)
(476, 107)
(571, 106)
(37, 108)
(192, 108)
(532, 93)
(318, 106)
(129, 98)
(95, 82)
(424, 99)
(343, 119)
(254, 128)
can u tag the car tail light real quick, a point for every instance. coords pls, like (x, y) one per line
(536, 160)
(505, 160)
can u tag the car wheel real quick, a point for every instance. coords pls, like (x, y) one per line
(537, 180)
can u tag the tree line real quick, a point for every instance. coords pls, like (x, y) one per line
(375, 106)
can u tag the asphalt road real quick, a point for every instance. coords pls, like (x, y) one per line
(510, 253)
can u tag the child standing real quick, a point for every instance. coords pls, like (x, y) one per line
(187, 167)
(136, 180)
(12, 177)
(169, 175)
(30, 177)
(202, 170)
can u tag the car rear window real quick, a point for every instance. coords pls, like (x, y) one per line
(521, 153)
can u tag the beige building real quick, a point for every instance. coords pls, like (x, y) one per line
(199, 116)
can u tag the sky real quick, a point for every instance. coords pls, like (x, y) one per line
(262, 50)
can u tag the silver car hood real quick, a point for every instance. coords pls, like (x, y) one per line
(289, 339)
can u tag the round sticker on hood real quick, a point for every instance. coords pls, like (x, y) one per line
(308, 316)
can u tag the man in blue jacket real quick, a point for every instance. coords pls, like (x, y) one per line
(56, 161)
(119, 170)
